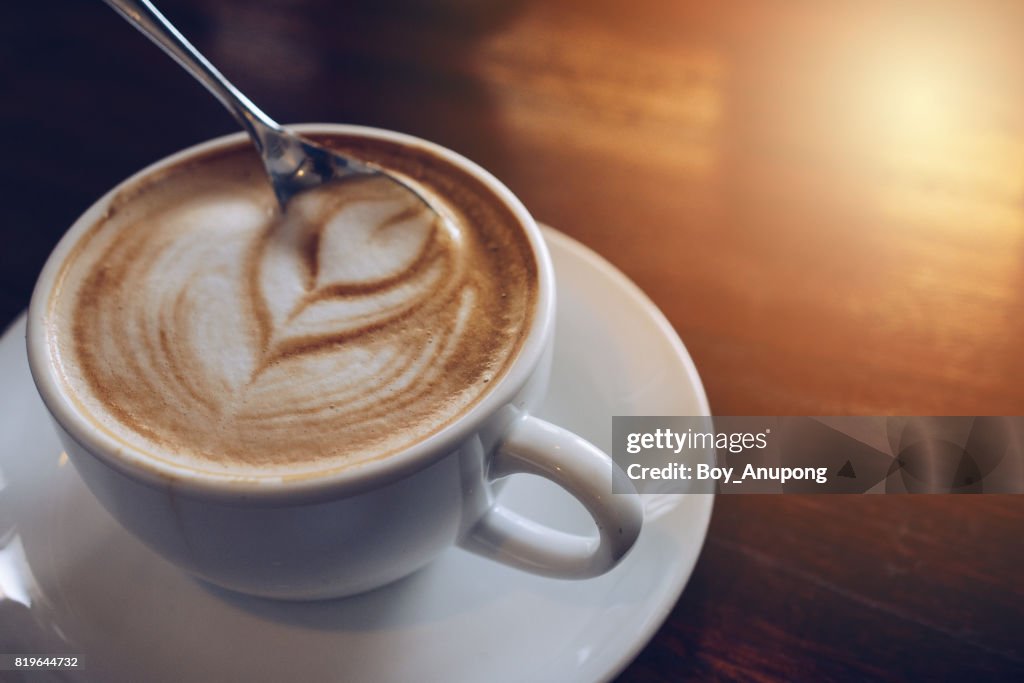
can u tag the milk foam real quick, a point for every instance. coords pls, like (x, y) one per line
(198, 324)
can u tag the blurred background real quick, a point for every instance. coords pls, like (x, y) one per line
(825, 199)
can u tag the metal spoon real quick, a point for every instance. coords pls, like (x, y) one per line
(293, 163)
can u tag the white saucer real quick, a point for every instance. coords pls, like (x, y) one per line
(72, 582)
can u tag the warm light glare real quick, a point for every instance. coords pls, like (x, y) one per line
(917, 105)
(915, 109)
(939, 137)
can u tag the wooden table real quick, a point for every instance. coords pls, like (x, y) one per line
(825, 199)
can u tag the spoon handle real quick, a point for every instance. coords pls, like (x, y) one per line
(150, 22)
(293, 163)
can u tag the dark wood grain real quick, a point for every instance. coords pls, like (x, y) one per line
(826, 200)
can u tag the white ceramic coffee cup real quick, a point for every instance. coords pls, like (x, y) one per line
(369, 524)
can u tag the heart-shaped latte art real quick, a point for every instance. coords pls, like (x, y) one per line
(344, 262)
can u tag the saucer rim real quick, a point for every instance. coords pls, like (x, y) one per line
(639, 298)
(642, 301)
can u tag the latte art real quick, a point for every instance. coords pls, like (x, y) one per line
(203, 326)
(348, 261)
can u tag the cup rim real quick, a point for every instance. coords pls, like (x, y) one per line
(318, 484)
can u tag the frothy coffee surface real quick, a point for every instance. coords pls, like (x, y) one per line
(197, 323)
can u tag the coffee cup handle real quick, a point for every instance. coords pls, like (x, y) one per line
(533, 446)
